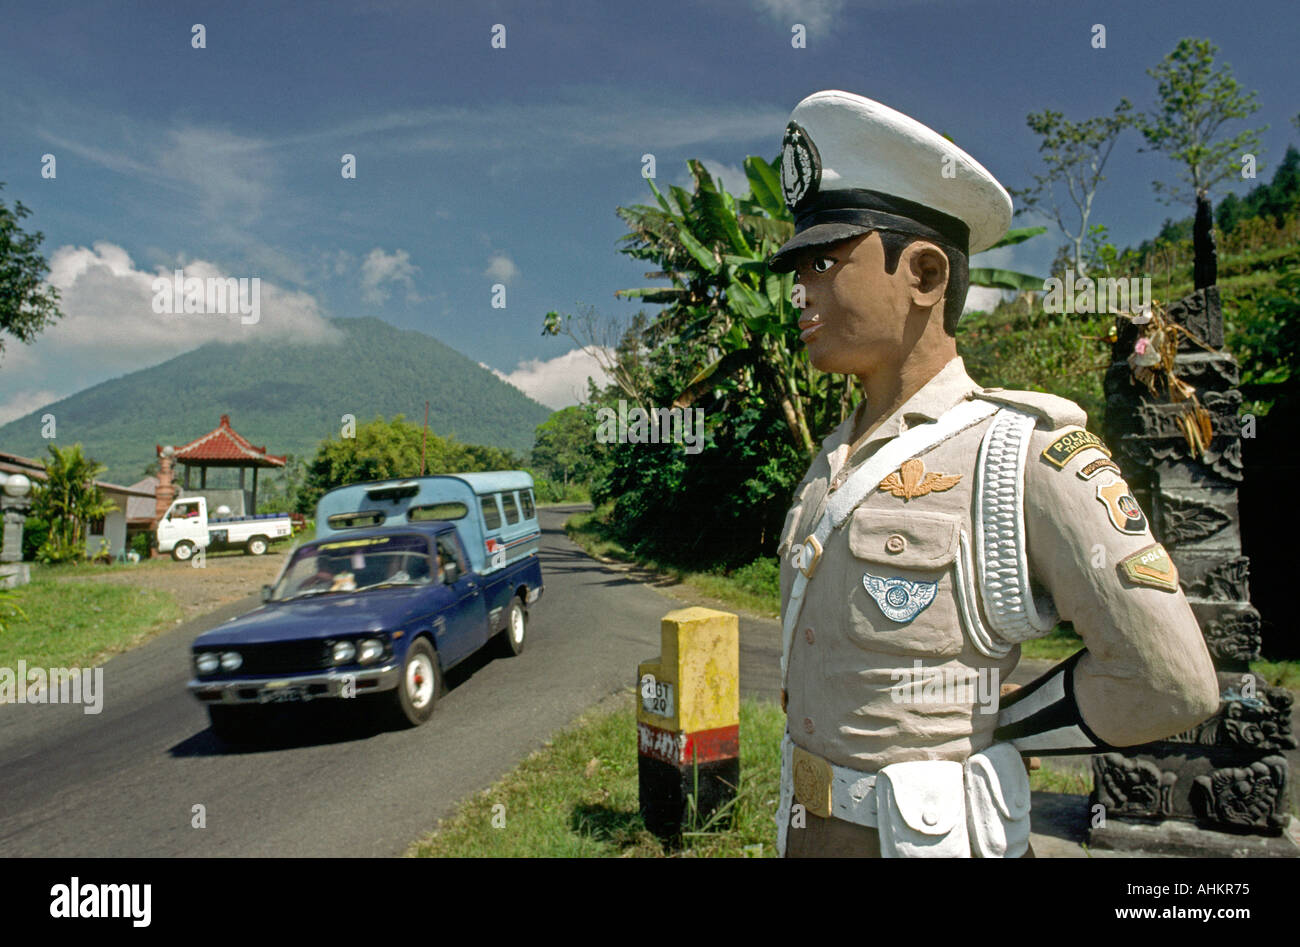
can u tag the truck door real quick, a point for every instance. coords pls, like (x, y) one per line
(467, 625)
(188, 519)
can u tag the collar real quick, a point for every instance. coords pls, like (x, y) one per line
(948, 388)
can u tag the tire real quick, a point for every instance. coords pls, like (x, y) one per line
(183, 551)
(233, 725)
(256, 546)
(416, 694)
(511, 639)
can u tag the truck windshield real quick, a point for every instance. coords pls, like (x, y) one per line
(354, 565)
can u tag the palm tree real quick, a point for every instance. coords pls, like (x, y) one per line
(68, 500)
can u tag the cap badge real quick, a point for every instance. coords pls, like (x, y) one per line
(899, 599)
(801, 166)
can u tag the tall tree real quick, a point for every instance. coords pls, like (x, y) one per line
(27, 303)
(1075, 154)
(1196, 99)
(564, 446)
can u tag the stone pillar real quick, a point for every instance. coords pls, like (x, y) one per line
(1222, 787)
(165, 493)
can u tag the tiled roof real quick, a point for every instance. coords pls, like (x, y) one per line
(35, 470)
(223, 445)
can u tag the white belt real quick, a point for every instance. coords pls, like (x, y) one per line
(934, 808)
(853, 792)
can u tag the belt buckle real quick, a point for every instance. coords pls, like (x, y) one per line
(812, 782)
(810, 553)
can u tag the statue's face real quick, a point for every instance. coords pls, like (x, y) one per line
(854, 312)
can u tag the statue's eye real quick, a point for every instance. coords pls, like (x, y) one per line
(822, 264)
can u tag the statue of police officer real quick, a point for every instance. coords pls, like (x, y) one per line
(943, 524)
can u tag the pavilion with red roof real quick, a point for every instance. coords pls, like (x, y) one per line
(222, 447)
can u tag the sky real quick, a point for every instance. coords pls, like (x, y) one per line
(479, 167)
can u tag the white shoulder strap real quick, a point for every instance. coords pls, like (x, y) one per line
(1002, 565)
(857, 488)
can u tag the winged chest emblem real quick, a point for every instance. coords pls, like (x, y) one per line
(899, 599)
(911, 480)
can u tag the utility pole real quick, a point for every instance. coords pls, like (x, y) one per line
(424, 439)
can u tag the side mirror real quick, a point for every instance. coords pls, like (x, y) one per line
(266, 593)
(450, 573)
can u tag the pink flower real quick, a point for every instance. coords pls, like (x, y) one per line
(1141, 347)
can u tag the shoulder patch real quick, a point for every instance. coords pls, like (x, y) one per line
(1151, 566)
(1059, 452)
(1055, 412)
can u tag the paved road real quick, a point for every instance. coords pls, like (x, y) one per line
(124, 782)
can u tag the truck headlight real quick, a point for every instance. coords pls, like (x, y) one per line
(344, 652)
(371, 650)
(231, 660)
(207, 662)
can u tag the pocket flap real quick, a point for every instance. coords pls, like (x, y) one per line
(910, 539)
(1001, 772)
(928, 794)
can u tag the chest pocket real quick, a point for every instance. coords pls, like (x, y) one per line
(900, 581)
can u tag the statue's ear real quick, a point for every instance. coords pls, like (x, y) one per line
(927, 271)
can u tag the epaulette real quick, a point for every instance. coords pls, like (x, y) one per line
(1053, 412)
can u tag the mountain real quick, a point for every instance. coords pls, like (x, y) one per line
(286, 397)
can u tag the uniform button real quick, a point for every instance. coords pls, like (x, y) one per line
(808, 724)
(930, 817)
(895, 543)
(808, 633)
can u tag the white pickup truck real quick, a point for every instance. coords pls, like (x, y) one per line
(186, 528)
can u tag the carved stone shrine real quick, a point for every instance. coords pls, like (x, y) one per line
(1222, 787)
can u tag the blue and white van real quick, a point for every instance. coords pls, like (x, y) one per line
(405, 579)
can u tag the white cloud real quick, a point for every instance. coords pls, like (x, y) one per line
(109, 326)
(814, 14)
(230, 174)
(501, 268)
(557, 382)
(981, 299)
(380, 269)
(25, 403)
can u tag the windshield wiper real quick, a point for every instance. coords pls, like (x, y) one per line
(380, 585)
(307, 592)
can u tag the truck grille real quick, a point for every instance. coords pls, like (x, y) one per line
(284, 657)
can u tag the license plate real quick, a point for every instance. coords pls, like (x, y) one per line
(276, 695)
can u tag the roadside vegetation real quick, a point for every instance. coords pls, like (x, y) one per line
(69, 621)
(577, 797)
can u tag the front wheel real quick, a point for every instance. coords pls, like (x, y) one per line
(256, 546)
(417, 692)
(183, 551)
(510, 642)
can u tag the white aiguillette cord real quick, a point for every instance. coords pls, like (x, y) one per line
(856, 489)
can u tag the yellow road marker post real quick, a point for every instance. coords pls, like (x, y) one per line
(688, 719)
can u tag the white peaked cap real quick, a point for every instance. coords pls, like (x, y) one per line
(850, 164)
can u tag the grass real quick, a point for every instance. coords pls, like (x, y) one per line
(1279, 673)
(753, 588)
(1056, 646)
(577, 797)
(1050, 778)
(75, 623)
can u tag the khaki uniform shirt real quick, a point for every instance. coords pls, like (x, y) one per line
(1148, 673)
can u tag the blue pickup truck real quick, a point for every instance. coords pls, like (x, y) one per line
(405, 579)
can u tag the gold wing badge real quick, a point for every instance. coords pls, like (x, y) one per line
(911, 481)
